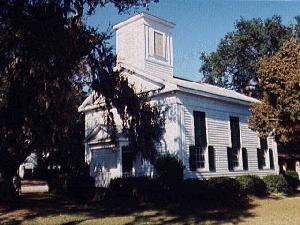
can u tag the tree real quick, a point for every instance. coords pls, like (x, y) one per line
(47, 54)
(279, 110)
(235, 62)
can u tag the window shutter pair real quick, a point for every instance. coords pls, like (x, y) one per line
(211, 158)
(235, 132)
(230, 158)
(200, 129)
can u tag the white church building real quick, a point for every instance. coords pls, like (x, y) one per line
(206, 126)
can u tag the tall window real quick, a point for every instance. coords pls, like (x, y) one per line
(197, 152)
(261, 153)
(233, 154)
(158, 44)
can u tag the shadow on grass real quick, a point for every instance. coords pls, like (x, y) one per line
(31, 206)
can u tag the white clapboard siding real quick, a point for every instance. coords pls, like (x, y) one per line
(218, 135)
(188, 127)
(158, 69)
(250, 142)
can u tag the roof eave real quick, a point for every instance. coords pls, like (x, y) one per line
(211, 95)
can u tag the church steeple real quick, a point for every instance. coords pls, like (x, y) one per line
(145, 42)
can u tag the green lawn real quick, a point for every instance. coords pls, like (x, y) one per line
(45, 209)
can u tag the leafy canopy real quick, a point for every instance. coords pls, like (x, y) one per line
(279, 110)
(235, 62)
(47, 53)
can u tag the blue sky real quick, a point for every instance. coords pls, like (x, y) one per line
(200, 24)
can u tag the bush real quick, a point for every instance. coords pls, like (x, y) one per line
(78, 185)
(169, 170)
(252, 185)
(224, 189)
(133, 190)
(194, 191)
(190, 193)
(81, 186)
(292, 178)
(215, 192)
(7, 191)
(276, 184)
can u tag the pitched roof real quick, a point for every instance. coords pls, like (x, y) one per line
(177, 84)
(212, 89)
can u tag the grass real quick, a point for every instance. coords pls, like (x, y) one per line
(48, 209)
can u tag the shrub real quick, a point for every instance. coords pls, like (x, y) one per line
(252, 185)
(132, 190)
(7, 191)
(223, 189)
(292, 178)
(79, 185)
(169, 170)
(194, 191)
(276, 184)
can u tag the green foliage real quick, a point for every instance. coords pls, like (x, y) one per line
(47, 56)
(192, 193)
(279, 110)
(292, 178)
(169, 170)
(195, 190)
(224, 189)
(252, 185)
(133, 190)
(215, 191)
(276, 184)
(77, 184)
(235, 62)
(7, 191)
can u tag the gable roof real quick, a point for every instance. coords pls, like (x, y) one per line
(160, 86)
(213, 91)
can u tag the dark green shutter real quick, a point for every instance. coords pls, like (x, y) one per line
(211, 157)
(271, 159)
(200, 129)
(263, 143)
(235, 132)
(229, 158)
(259, 158)
(192, 158)
(245, 158)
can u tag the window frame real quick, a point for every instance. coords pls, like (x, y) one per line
(237, 164)
(265, 155)
(156, 55)
(201, 144)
